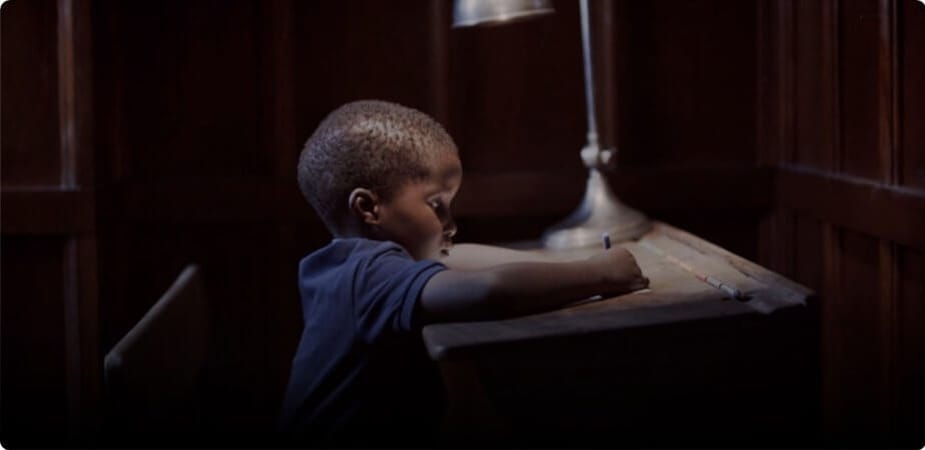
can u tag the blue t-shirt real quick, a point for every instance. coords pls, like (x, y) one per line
(361, 370)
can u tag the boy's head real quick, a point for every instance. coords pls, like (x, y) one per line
(385, 171)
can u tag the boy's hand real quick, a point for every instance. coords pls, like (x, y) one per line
(619, 272)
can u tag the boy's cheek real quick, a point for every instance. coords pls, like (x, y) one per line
(434, 252)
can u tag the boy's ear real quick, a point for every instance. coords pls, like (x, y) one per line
(364, 204)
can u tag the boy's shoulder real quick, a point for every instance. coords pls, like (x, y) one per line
(341, 251)
(380, 280)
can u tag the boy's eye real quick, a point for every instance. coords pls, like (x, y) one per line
(437, 205)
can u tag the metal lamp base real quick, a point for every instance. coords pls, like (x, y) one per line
(599, 212)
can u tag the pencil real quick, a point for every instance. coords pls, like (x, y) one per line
(728, 289)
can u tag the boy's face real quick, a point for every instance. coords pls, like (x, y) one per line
(417, 216)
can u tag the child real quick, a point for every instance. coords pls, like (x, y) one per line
(382, 177)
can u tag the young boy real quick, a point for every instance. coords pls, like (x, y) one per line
(382, 177)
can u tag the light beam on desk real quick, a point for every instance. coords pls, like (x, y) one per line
(600, 211)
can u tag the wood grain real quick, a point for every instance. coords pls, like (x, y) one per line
(35, 385)
(30, 95)
(909, 387)
(675, 295)
(912, 93)
(851, 202)
(862, 88)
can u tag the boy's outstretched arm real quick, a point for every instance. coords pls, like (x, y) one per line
(519, 288)
(480, 256)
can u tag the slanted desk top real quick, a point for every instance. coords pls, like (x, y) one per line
(680, 364)
(674, 295)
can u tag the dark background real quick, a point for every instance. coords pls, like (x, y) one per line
(138, 137)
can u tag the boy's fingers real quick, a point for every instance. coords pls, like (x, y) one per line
(640, 284)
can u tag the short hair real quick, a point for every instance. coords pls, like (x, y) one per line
(369, 143)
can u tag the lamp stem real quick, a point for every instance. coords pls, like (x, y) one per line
(600, 211)
(589, 75)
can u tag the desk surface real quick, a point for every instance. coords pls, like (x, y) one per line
(674, 295)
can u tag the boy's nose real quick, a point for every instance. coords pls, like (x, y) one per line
(449, 230)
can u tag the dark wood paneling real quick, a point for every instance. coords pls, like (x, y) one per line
(47, 211)
(107, 109)
(887, 320)
(809, 253)
(210, 199)
(606, 22)
(34, 383)
(49, 195)
(773, 80)
(857, 75)
(735, 230)
(517, 94)
(276, 57)
(75, 92)
(895, 214)
(714, 188)
(439, 75)
(776, 246)
(831, 65)
(859, 43)
(829, 329)
(888, 97)
(767, 253)
(687, 90)
(546, 193)
(356, 50)
(912, 100)
(813, 100)
(189, 97)
(30, 154)
(78, 172)
(910, 371)
(82, 318)
(854, 377)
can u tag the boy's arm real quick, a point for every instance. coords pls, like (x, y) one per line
(479, 256)
(519, 288)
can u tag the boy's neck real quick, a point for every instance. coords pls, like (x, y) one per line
(352, 230)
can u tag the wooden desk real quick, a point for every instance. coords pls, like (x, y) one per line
(678, 364)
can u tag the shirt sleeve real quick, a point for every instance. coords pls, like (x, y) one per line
(387, 287)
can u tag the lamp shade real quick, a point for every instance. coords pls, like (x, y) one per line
(495, 12)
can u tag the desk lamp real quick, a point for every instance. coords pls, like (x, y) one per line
(600, 211)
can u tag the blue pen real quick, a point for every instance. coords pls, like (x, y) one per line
(606, 238)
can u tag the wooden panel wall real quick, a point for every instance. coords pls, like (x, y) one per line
(51, 364)
(30, 96)
(197, 168)
(841, 103)
(685, 99)
(142, 136)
